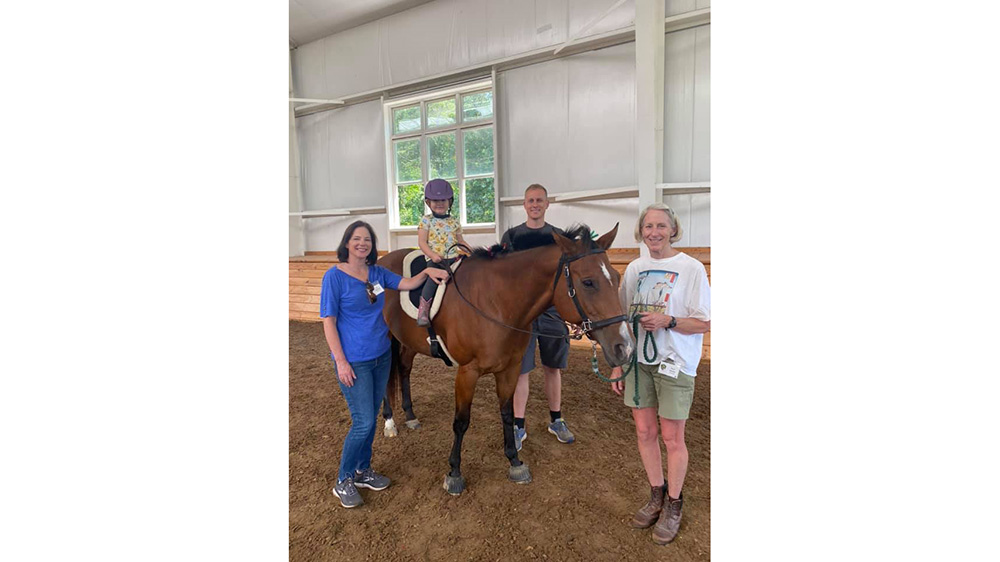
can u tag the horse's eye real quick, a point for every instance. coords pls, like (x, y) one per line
(588, 283)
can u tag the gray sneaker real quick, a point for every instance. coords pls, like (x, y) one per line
(348, 493)
(562, 433)
(520, 435)
(370, 479)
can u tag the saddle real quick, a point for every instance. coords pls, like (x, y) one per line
(409, 301)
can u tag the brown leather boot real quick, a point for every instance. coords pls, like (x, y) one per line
(648, 513)
(670, 520)
(423, 313)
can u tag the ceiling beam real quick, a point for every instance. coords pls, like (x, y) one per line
(579, 33)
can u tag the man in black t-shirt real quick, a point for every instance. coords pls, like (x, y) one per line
(554, 352)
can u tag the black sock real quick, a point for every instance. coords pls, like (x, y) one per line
(519, 422)
(555, 415)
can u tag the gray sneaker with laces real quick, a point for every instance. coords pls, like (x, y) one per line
(520, 434)
(562, 433)
(348, 493)
(370, 479)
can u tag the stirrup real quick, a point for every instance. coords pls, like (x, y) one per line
(436, 348)
(437, 351)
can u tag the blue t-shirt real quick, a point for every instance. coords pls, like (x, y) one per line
(362, 330)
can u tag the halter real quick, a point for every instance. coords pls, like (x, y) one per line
(586, 323)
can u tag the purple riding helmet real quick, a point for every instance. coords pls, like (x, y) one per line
(438, 190)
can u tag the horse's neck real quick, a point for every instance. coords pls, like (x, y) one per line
(526, 276)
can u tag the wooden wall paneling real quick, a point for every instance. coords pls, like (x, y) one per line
(304, 290)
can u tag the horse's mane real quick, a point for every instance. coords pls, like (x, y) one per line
(489, 253)
(574, 232)
(580, 231)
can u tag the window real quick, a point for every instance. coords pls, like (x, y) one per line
(443, 135)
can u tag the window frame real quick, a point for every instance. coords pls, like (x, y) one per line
(458, 128)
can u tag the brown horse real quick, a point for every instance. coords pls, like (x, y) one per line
(486, 316)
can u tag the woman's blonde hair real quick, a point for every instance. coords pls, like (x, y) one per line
(675, 223)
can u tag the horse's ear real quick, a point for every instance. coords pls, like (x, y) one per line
(606, 240)
(567, 244)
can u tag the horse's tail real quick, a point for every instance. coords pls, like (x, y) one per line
(392, 387)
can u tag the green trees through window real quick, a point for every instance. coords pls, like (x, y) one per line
(441, 151)
(479, 196)
(449, 138)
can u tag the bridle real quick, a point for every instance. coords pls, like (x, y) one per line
(586, 323)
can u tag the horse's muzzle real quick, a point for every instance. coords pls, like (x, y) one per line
(616, 343)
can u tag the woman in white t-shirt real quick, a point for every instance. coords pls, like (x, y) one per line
(669, 293)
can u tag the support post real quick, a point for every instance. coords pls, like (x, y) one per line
(296, 227)
(649, 98)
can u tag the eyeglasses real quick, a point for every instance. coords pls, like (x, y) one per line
(371, 293)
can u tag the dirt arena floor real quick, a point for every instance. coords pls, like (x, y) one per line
(577, 506)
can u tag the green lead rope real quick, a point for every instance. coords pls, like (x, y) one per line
(634, 363)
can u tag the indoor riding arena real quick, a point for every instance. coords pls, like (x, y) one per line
(606, 104)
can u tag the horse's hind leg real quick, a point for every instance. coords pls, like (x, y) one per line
(465, 389)
(506, 383)
(406, 356)
(390, 425)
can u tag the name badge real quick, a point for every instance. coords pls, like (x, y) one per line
(669, 369)
(377, 289)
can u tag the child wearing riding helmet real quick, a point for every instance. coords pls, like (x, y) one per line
(436, 235)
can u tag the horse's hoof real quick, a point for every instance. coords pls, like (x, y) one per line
(413, 424)
(454, 484)
(519, 474)
(390, 428)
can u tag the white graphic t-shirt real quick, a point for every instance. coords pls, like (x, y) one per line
(676, 286)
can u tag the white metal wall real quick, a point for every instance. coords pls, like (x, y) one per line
(324, 233)
(342, 157)
(687, 127)
(686, 104)
(674, 7)
(569, 124)
(441, 36)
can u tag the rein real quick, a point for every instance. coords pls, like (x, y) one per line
(633, 363)
(586, 324)
(454, 281)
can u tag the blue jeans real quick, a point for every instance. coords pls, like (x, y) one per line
(364, 400)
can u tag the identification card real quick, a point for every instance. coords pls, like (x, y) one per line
(377, 289)
(669, 369)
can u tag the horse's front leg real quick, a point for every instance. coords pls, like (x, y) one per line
(465, 389)
(406, 356)
(506, 383)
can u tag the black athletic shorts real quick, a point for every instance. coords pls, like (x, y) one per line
(554, 351)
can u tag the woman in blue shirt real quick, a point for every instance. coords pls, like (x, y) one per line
(351, 304)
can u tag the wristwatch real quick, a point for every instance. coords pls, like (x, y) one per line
(673, 322)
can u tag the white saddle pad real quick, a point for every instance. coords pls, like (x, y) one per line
(404, 296)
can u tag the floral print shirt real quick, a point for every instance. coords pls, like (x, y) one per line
(441, 234)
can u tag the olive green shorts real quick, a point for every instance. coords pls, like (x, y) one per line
(671, 397)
